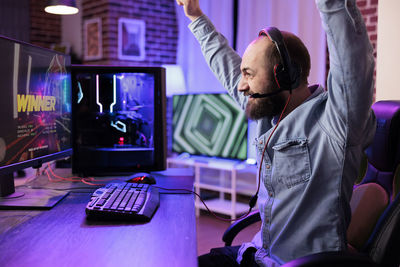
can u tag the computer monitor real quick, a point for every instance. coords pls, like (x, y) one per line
(118, 120)
(210, 125)
(35, 108)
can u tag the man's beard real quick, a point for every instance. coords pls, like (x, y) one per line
(265, 107)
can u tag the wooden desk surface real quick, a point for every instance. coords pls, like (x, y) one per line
(63, 237)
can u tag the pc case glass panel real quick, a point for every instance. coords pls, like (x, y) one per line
(117, 114)
(116, 110)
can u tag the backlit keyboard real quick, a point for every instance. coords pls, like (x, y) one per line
(125, 201)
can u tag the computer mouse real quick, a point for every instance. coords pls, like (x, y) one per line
(144, 178)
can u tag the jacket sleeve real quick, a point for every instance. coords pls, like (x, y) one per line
(222, 59)
(350, 82)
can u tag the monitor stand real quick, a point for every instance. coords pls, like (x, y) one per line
(25, 197)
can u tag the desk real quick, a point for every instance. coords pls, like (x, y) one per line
(62, 236)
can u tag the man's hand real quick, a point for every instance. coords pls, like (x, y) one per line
(191, 8)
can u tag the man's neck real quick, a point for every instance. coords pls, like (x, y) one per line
(298, 96)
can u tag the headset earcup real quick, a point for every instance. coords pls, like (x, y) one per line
(295, 75)
(286, 80)
(281, 77)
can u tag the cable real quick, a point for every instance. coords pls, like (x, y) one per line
(254, 198)
(87, 180)
(205, 205)
(62, 189)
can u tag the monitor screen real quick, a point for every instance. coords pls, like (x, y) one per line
(35, 107)
(119, 119)
(210, 125)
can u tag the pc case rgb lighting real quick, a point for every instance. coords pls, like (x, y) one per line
(119, 119)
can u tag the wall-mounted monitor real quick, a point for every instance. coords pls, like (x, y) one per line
(118, 119)
(209, 125)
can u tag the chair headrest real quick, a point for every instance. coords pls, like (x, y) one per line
(384, 152)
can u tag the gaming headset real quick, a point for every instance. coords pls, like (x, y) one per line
(287, 73)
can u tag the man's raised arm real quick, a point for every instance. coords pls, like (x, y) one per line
(222, 59)
(350, 80)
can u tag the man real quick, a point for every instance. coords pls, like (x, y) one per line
(310, 158)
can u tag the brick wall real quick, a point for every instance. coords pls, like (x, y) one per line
(158, 15)
(161, 29)
(369, 11)
(45, 28)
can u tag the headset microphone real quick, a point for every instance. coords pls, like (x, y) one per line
(257, 95)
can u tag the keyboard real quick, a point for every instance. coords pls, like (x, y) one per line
(124, 201)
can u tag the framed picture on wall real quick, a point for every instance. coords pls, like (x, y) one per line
(131, 39)
(92, 39)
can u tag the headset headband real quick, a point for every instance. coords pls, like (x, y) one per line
(287, 73)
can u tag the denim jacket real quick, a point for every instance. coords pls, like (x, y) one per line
(313, 158)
